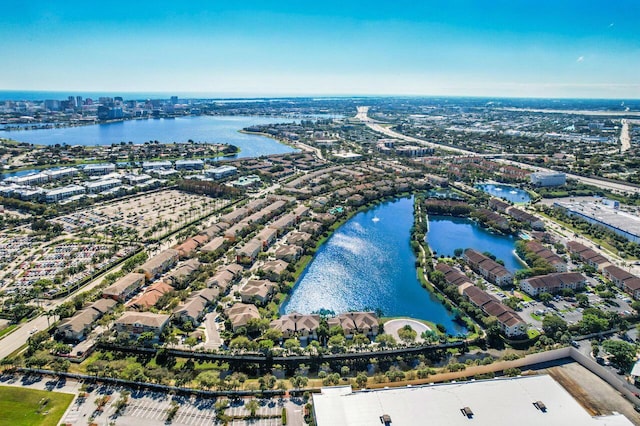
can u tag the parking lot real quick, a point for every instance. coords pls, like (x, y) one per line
(157, 212)
(73, 260)
(567, 308)
(151, 408)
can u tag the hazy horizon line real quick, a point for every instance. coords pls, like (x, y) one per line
(272, 95)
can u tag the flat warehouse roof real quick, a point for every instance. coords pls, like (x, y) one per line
(492, 403)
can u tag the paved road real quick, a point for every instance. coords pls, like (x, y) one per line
(213, 341)
(19, 337)
(614, 186)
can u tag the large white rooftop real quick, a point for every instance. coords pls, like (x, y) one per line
(493, 403)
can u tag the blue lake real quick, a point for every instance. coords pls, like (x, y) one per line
(368, 264)
(212, 129)
(506, 192)
(447, 233)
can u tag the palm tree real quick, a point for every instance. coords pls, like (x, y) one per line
(252, 406)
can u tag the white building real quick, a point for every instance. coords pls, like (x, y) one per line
(221, 172)
(136, 179)
(548, 179)
(102, 185)
(523, 401)
(163, 173)
(61, 173)
(153, 165)
(99, 169)
(189, 165)
(30, 179)
(63, 193)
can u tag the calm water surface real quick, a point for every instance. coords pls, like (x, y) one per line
(447, 233)
(506, 192)
(213, 129)
(368, 264)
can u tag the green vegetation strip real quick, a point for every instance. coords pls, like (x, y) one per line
(29, 407)
(8, 330)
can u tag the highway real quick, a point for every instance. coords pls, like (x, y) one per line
(362, 115)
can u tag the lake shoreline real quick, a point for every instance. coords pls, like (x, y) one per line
(409, 301)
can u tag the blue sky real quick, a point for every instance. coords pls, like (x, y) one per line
(563, 48)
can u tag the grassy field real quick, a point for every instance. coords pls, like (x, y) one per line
(28, 407)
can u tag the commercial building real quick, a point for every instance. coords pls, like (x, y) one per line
(102, 185)
(606, 215)
(99, 169)
(221, 172)
(63, 193)
(548, 179)
(189, 165)
(155, 165)
(29, 179)
(134, 179)
(65, 172)
(523, 401)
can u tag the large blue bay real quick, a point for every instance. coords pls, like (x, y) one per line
(210, 129)
(368, 264)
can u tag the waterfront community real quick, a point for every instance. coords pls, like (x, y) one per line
(183, 281)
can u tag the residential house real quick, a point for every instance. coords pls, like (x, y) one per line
(78, 326)
(490, 269)
(159, 264)
(550, 257)
(353, 323)
(194, 308)
(240, 314)
(289, 253)
(123, 288)
(260, 290)
(274, 269)
(304, 327)
(250, 251)
(553, 283)
(151, 296)
(217, 243)
(587, 255)
(137, 323)
(298, 238)
(181, 275)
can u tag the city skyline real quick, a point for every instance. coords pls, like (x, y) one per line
(288, 49)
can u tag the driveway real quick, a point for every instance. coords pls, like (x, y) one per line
(392, 327)
(214, 341)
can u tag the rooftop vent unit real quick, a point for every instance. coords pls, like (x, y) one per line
(466, 411)
(540, 406)
(385, 419)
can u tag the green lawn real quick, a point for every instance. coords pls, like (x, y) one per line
(8, 330)
(28, 407)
